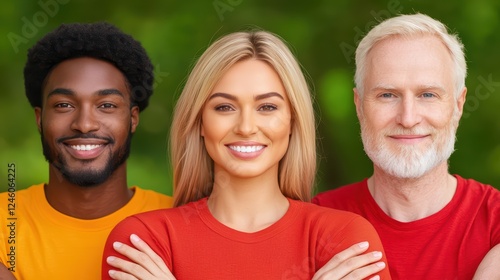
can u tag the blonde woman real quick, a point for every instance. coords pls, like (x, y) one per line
(244, 157)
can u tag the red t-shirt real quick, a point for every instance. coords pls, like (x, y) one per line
(447, 245)
(194, 245)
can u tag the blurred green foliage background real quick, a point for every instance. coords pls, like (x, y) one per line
(323, 35)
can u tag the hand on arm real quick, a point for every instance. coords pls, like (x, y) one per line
(146, 264)
(352, 264)
(488, 268)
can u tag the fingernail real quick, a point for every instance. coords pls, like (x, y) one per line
(380, 264)
(117, 244)
(376, 277)
(363, 244)
(111, 272)
(377, 254)
(134, 238)
(110, 259)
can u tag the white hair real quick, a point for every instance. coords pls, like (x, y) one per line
(408, 26)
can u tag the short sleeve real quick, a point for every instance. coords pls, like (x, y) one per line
(121, 233)
(357, 230)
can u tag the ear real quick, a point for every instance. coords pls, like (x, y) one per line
(134, 118)
(357, 102)
(461, 101)
(38, 118)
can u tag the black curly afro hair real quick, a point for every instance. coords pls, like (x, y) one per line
(99, 40)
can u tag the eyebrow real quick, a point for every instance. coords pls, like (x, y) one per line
(257, 97)
(420, 87)
(68, 92)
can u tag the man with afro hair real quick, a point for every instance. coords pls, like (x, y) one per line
(87, 83)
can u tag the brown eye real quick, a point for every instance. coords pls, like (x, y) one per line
(107, 106)
(268, 107)
(62, 105)
(224, 108)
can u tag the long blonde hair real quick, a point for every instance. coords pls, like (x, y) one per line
(193, 167)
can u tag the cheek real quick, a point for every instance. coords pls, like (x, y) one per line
(377, 118)
(279, 125)
(212, 132)
(441, 118)
(54, 128)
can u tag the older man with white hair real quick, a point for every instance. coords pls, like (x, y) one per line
(409, 96)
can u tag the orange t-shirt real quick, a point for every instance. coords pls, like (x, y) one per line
(42, 243)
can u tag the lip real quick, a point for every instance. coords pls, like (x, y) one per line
(246, 150)
(85, 148)
(409, 139)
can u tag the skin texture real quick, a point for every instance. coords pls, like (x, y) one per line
(247, 109)
(5, 274)
(488, 268)
(409, 107)
(86, 102)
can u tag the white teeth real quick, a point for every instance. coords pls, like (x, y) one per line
(84, 147)
(246, 149)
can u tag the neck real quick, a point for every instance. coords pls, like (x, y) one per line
(88, 202)
(247, 204)
(407, 200)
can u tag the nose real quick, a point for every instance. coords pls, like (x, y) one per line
(85, 120)
(409, 113)
(246, 123)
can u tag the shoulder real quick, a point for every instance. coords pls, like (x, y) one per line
(333, 217)
(153, 198)
(340, 195)
(159, 222)
(31, 193)
(474, 189)
(336, 226)
(162, 217)
(139, 224)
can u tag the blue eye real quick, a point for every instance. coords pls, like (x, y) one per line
(387, 95)
(428, 95)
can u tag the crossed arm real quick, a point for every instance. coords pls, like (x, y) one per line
(348, 264)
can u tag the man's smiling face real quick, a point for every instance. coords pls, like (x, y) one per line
(86, 121)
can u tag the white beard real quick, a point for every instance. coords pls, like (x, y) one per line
(409, 161)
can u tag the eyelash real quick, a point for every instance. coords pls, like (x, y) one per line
(268, 106)
(224, 108)
(107, 105)
(386, 95)
(389, 95)
(264, 107)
